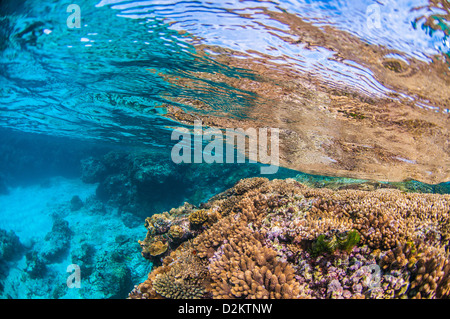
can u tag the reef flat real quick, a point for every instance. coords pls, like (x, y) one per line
(280, 239)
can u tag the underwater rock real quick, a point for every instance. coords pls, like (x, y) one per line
(94, 206)
(57, 242)
(35, 265)
(283, 239)
(92, 170)
(10, 246)
(11, 250)
(110, 277)
(146, 170)
(144, 181)
(115, 162)
(76, 203)
(83, 257)
(130, 220)
(116, 190)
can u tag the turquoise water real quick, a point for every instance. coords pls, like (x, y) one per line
(82, 117)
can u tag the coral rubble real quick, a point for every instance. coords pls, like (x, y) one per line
(282, 239)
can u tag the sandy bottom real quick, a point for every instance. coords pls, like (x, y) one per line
(28, 212)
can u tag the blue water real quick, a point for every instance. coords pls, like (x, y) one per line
(101, 91)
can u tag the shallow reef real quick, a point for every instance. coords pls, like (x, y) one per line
(277, 239)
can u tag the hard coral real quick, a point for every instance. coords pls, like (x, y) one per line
(244, 268)
(155, 248)
(182, 275)
(158, 223)
(282, 239)
(176, 232)
(432, 275)
(198, 217)
(184, 280)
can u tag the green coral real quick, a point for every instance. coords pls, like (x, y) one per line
(344, 241)
(348, 240)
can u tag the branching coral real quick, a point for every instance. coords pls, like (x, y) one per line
(244, 268)
(282, 239)
(184, 280)
(182, 275)
(432, 275)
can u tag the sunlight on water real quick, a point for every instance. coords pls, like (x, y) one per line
(115, 76)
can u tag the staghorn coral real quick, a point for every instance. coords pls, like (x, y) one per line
(244, 185)
(403, 255)
(262, 238)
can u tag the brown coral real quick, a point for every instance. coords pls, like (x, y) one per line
(403, 255)
(176, 232)
(198, 217)
(432, 277)
(158, 223)
(256, 240)
(184, 280)
(244, 268)
(156, 248)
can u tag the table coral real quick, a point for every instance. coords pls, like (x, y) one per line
(283, 239)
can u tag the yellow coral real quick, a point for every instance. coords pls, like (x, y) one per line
(157, 248)
(176, 232)
(198, 217)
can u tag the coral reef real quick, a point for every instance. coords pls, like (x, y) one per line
(185, 278)
(111, 276)
(56, 242)
(140, 181)
(283, 239)
(198, 217)
(10, 246)
(92, 170)
(76, 203)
